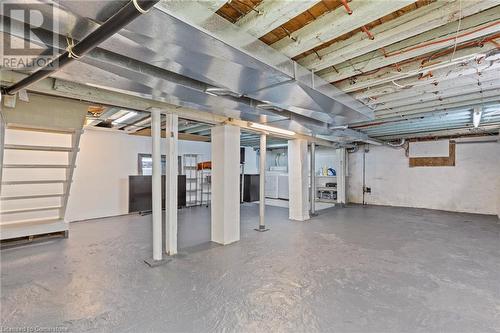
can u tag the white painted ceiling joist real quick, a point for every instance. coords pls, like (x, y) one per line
(414, 95)
(336, 23)
(439, 108)
(453, 102)
(414, 23)
(428, 97)
(213, 5)
(439, 69)
(271, 14)
(390, 92)
(453, 132)
(376, 60)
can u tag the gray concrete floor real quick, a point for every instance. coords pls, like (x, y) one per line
(356, 269)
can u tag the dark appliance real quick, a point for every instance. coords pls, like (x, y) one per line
(140, 191)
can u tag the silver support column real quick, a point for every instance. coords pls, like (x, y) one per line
(262, 182)
(312, 196)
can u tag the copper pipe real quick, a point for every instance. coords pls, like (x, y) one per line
(367, 32)
(346, 5)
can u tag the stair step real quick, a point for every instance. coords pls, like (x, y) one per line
(23, 127)
(38, 148)
(36, 166)
(21, 197)
(27, 210)
(27, 182)
(30, 222)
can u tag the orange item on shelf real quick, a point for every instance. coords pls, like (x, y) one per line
(204, 165)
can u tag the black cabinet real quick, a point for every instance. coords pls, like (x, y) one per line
(140, 191)
(251, 188)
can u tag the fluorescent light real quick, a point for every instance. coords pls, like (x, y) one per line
(476, 116)
(271, 129)
(124, 118)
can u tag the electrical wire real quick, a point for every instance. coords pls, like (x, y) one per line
(458, 30)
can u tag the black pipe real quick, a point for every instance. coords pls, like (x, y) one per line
(115, 23)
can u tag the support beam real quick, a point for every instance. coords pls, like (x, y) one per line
(269, 15)
(81, 92)
(335, 24)
(262, 183)
(298, 175)
(171, 128)
(341, 176)
(417, 22)
(312, 171)
(225, 201)
(156, 183)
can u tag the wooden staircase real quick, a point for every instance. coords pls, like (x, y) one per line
(39, 141)
(36, 180)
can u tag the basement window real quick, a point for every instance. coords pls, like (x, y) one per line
(145, 164)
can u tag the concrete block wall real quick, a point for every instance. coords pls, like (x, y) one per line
(471, 186)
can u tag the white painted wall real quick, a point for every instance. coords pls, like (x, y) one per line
(105, 160)
(326, 157)
(471, 186)
(251, 161)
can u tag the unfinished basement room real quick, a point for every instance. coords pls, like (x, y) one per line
(250, 166)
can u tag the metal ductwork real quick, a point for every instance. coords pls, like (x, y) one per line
(115, 23)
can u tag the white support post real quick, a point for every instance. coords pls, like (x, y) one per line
(312, 171)
(225, 201)
(172, 121)
(262, 182)
(341, 176)
(156, 183)
(498, 180)
(298, 175)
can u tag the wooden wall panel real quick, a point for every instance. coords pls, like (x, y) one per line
(435, 161)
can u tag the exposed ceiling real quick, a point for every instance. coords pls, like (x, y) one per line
(387, 69)
(420, 65)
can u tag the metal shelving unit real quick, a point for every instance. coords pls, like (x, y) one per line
(205, 180)
(189, 167)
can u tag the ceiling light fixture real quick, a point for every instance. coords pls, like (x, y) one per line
(124, 118)
(271, 129)
(476, 116)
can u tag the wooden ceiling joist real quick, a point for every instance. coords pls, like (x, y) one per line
(464, 57)
(336, 23)
(421, 45)
(416, 22)
(435, 88)
(271, 14)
